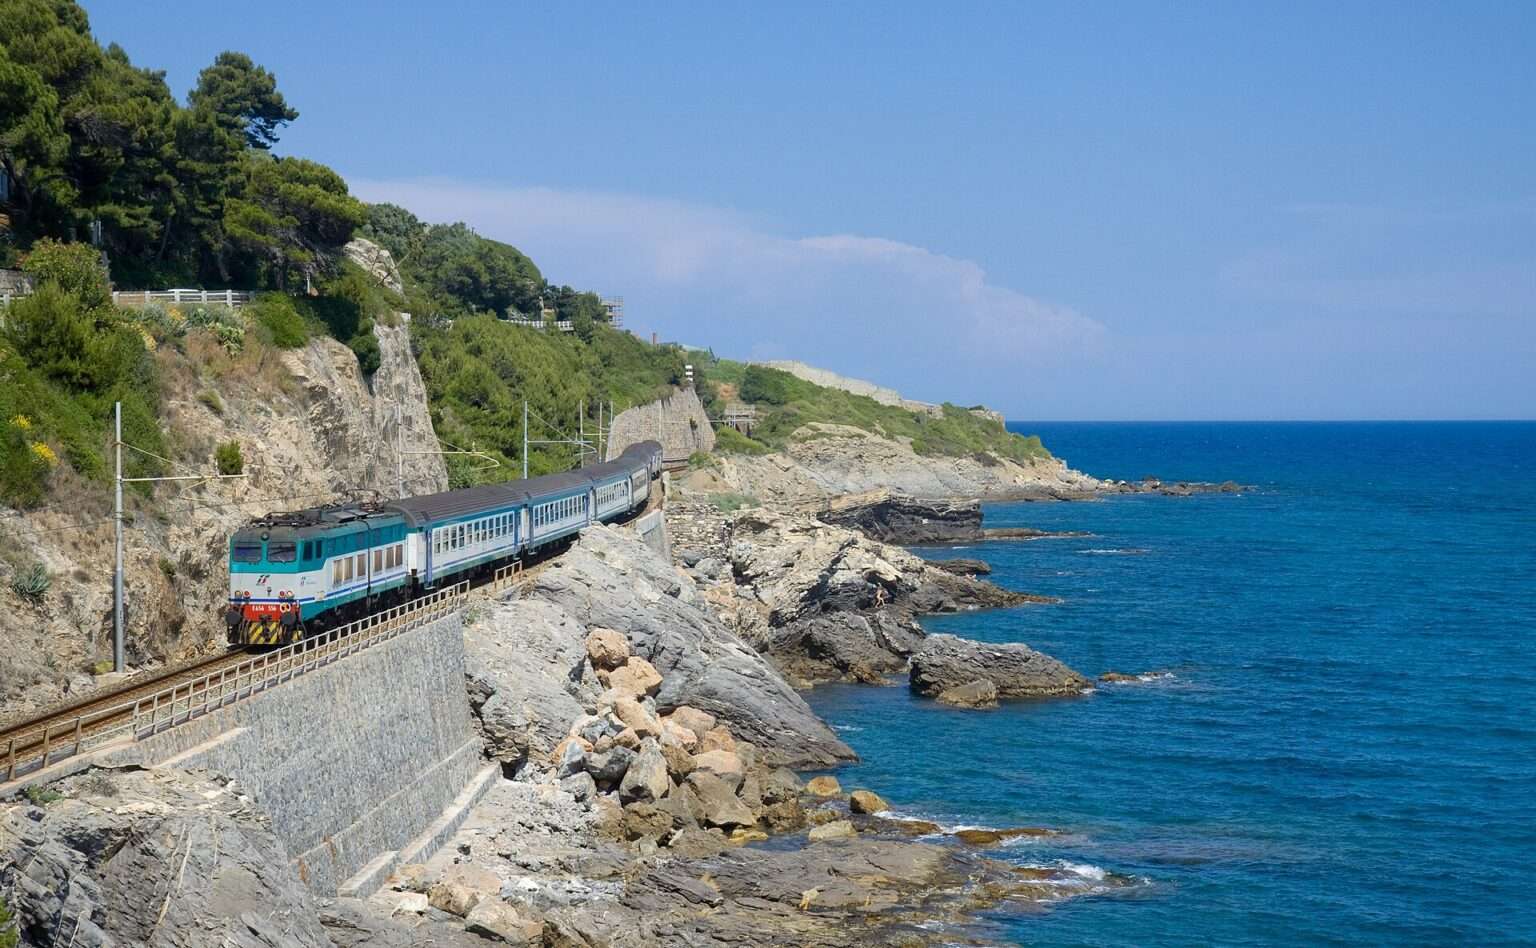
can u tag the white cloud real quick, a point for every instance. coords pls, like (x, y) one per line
(906, 316)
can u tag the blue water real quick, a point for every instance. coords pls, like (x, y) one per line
(1346, 750)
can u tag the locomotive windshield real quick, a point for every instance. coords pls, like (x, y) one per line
(282, 551)
(246, 551)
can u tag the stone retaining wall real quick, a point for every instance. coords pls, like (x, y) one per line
(356, 762)
(677, 421)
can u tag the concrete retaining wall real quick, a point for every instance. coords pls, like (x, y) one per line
(653, 532)
(358, 763)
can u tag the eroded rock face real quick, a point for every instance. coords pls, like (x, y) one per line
(892, 517)
(526, 671)
(311, 427)
(828, 603)
(375, 261)
(946, 662)
(95, 868)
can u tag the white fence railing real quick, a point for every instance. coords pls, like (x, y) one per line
(145, 297)
(174, 297)
(181, 702)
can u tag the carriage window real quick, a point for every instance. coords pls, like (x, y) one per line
(348, 562)
(362, 563)
(247, 552)
(399, 553)
(282, 551)
(336, 573)
(378, 560)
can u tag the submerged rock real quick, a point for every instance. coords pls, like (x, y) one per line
(948, 662)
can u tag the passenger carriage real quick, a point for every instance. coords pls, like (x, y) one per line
(293, 574)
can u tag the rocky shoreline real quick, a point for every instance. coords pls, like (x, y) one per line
(646, 718)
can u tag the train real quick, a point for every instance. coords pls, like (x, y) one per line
(298, 573)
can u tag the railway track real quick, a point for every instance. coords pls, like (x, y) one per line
(65, 728)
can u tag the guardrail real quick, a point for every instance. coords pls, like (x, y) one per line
(145, 297)
(182, 702)
(505, 578)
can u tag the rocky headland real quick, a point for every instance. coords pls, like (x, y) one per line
(823, 463)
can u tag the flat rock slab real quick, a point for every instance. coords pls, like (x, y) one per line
(948, 662)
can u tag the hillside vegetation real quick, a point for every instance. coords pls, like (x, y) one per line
(479, 369)
(786, 404)
(113, 180)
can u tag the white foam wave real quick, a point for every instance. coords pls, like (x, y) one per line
(1085, 870)
(1114, 551)
(846, 727)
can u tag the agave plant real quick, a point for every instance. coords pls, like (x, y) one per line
(31, 582)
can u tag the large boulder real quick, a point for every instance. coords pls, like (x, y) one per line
(724, 764)
(646, 780)
(948, 662)
(607, 649)
(498, 921)
(636, 677)
(718, 800)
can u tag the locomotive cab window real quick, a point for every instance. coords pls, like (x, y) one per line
(246, 552)
(282, 551)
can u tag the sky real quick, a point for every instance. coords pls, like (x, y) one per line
(1064, 211)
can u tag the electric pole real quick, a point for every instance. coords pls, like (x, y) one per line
(117, 572)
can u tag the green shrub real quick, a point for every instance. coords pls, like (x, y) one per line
(702, 460)
(281, 319)
(25, 464)
(211, 398)
(41, 796)
(730, 441)
(732, 502)
(31, 582)
(8, 933)
(74, 268)
(762, 384)
(366, 346)
(229, 459)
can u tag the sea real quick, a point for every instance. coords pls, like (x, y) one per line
(1335, 740)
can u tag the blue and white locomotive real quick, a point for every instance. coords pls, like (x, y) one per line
(292, 574)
